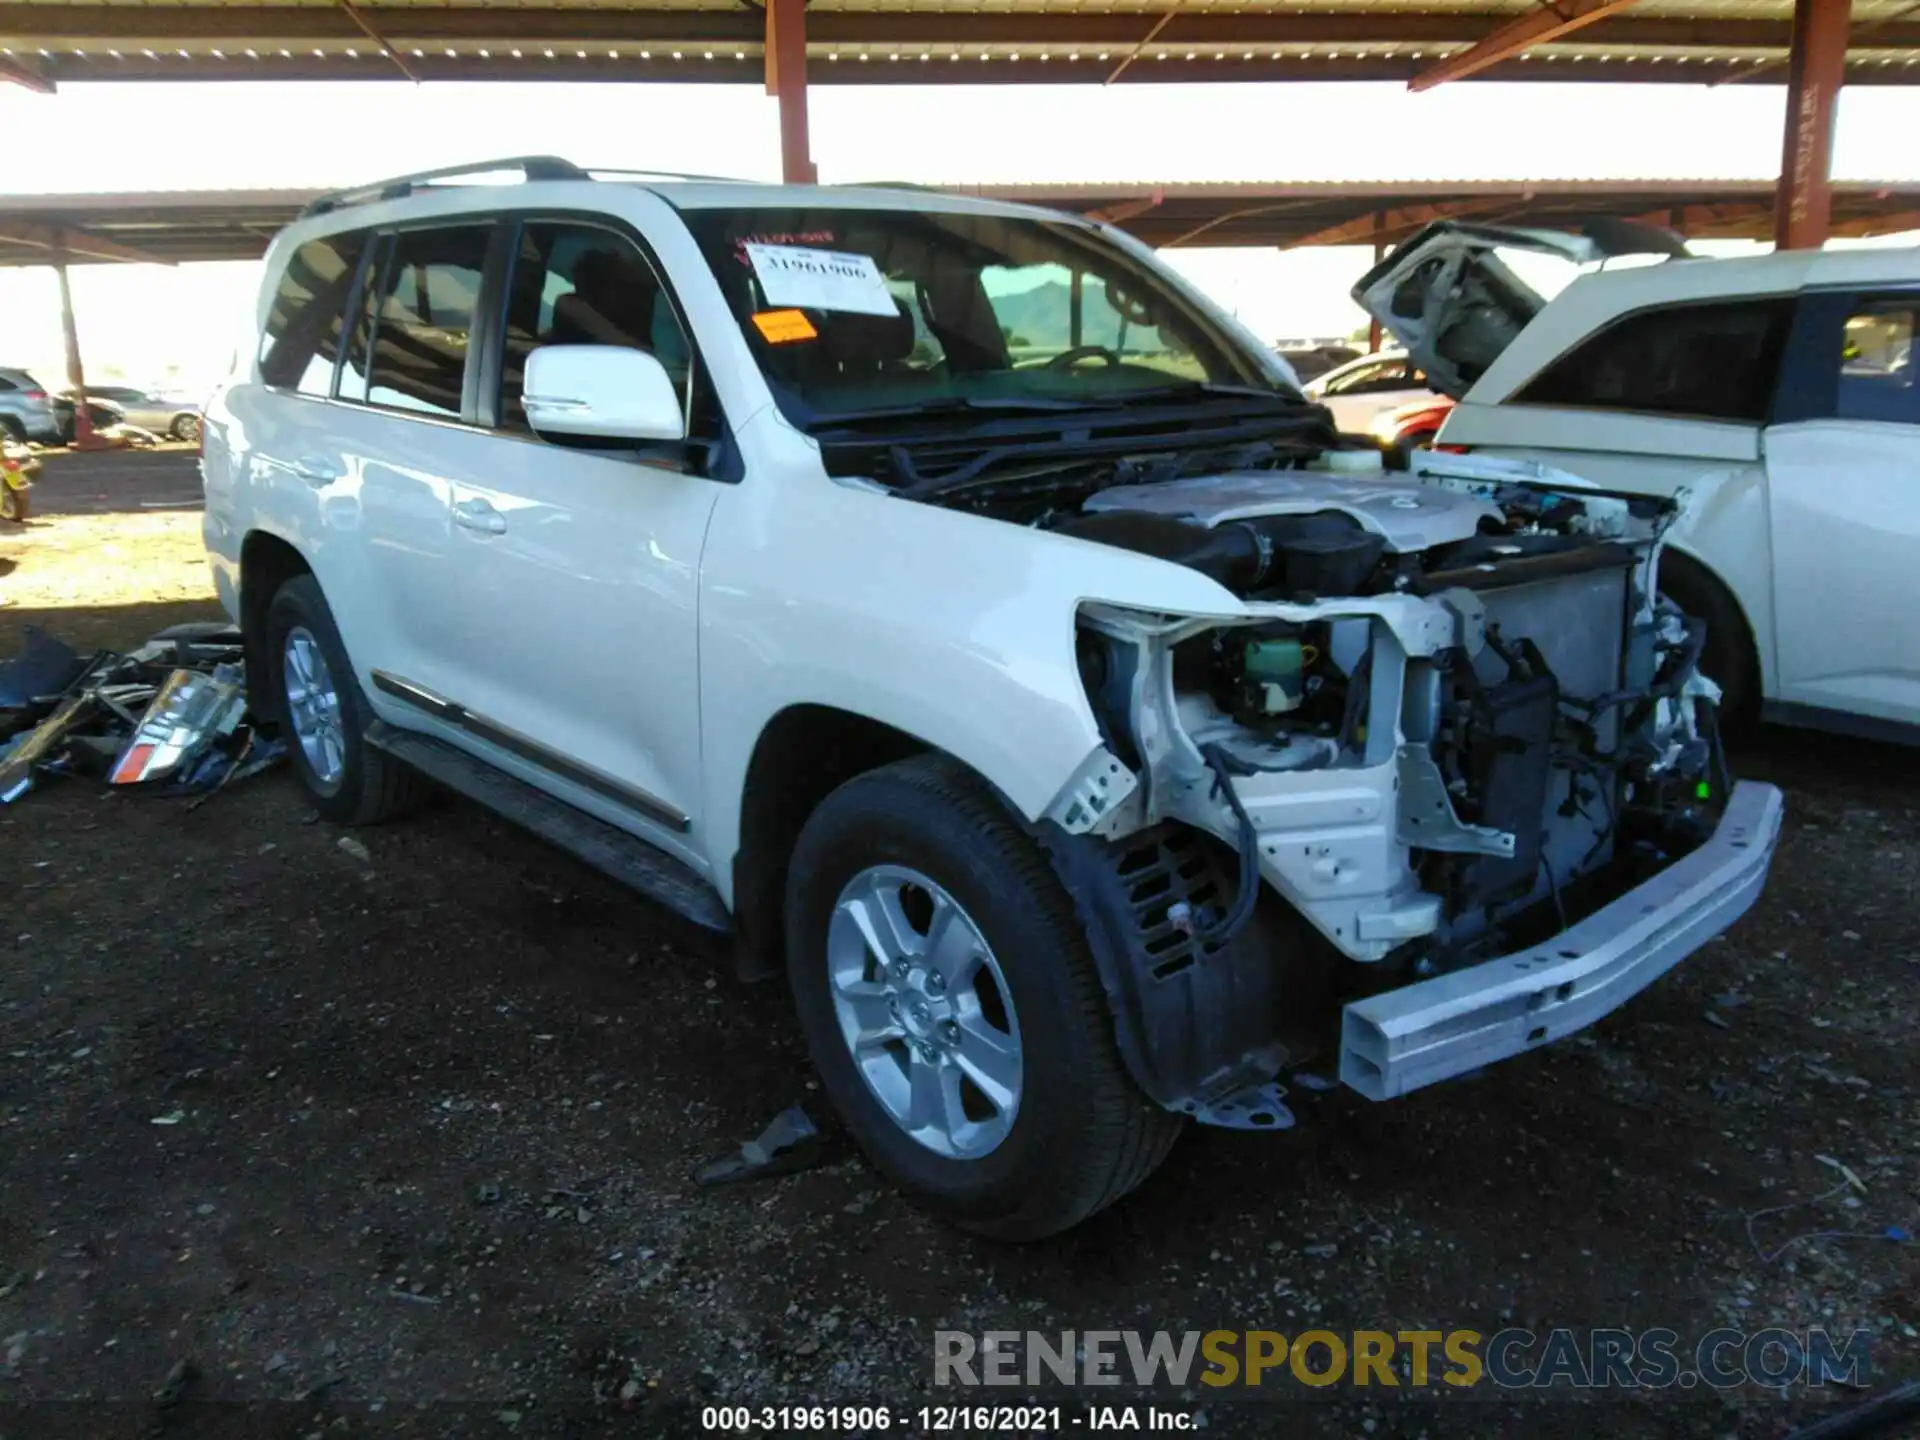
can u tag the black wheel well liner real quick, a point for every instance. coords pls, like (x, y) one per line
(266, 563)
(1691, 570)
(804, 754)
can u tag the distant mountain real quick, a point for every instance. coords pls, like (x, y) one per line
(1041, 317)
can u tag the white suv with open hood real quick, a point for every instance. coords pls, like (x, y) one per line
(952, 605)
(1781, 394)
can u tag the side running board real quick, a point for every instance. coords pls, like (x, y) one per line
(608, 849)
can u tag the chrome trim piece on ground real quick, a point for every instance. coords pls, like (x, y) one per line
(534, 753)
(1403, 1039)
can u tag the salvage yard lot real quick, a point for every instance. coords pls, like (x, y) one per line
(422, 1126)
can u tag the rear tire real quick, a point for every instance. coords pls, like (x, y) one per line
(14, 504)
(1729, 659)
(186, 427)
(366, 785)
(1080, 1134)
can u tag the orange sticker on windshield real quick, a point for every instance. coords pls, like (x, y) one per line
(783, 327)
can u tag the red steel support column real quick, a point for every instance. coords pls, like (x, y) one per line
(83, 436)
(1374, 334)
(787, 78)
(1814, 74)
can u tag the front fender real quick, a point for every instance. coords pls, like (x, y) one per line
(952, 628)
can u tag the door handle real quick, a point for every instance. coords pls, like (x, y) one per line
(479, 515)
(316, 472)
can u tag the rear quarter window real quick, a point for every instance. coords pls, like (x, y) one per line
(1879, 370)
(301, 340)
(1716, 361)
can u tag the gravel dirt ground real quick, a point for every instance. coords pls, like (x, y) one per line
(299, 1138)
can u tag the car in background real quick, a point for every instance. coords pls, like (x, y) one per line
(27, 411)
(1778, 393)
(1310, 362)
(174, 416)
(1363, 388)
(104, 414)
(1406, 428)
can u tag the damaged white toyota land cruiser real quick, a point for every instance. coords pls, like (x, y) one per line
(949, 603)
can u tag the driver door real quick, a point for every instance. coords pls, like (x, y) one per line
(579, 567)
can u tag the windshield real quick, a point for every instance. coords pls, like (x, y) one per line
(853, 311)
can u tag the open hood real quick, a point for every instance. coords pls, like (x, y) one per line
(1449, 297)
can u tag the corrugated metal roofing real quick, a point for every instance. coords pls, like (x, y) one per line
(236, 225)
(916, 41)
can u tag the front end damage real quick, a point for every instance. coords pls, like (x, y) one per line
(1453, 764)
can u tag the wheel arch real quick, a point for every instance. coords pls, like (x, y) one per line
(266, 563)
(1692, 572)
(802, 755)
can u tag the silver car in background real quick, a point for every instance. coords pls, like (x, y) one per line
(173, 416)
(26, 409)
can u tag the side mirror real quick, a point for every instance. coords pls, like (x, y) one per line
(608, 391)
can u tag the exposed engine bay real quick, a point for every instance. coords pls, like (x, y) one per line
(1451, 721)
(1455, 714)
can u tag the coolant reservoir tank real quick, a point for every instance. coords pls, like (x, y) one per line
(1272, 675)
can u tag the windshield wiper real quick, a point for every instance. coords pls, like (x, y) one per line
(963, 405)
(1213, 387)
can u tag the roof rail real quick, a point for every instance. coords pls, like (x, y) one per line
(531, 167)
(650, 174)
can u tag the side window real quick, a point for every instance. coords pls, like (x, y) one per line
(353, 369)
(582, 285)
(423, 318)
(6, 385)
(1711, 362)
(302, 336)
(1877, 363)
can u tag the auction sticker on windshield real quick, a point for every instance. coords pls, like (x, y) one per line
(791, 275)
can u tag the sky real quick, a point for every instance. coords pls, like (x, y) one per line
(144, 325)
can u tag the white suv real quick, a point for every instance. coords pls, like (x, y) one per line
(1781, 393)
(955, 607)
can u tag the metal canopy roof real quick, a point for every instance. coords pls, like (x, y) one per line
(1362, 213)
(236, 224)
(929, 41)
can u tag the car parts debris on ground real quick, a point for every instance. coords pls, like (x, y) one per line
(790, 1142)
(174, 711)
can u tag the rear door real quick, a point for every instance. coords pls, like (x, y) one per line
(388, 449)
(1843, 465)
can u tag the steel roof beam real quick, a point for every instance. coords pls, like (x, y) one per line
(60, 241)
(1387, 226)
(88, 25)
(358, 16)
(18, 74)
(1549, 23)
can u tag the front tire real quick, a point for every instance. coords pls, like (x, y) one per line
(324, 716)
(14, 504)
(953, 1010)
